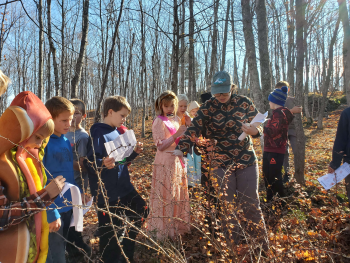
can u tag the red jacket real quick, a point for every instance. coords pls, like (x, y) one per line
(276, 131)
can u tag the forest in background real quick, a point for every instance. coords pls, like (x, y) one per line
(93, 49)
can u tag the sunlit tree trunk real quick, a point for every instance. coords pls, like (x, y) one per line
(299, 157)
(251, 56)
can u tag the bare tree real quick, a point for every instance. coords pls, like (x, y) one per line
(143, 70)
(41, 55)
(214, 45)
(191, 57)
(247, 17)
(129, 66)
(265, 73)
(299, 157)
(63, 50)
(183, 49)
(223, 56)
(5, 28)
(176, 46)
(83, 43)
(110, 57)
(344, 16)
(327, 80)
(235, 74)
(52, 48)
(290, 29)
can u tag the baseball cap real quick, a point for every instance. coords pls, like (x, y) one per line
(222, 82)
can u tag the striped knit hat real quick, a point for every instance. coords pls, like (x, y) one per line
(279, 96)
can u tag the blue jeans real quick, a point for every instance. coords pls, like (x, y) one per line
(57, 243)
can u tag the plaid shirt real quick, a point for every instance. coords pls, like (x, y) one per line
(223, 122)
(13, 213)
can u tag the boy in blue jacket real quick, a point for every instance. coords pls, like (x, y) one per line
(58, 159)
(123, 200)
(341, 148)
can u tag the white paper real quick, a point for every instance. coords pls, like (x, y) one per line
(77, 205)
(85, 210)
(122, 146)
(258, 119)
(330, 180)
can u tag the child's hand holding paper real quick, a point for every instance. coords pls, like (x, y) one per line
(139, 147)
(250, 128)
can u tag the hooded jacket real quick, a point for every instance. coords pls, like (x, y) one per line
(276, 131)
(58, 159)
(117, 180)
(23, 225)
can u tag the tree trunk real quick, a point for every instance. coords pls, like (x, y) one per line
(235, 74)
(110, 57)
(63, 59)
(4, 13)
(176, 45)
(191, 65)
(306, 90)
(41, 55)
(344, 16)
(52, 48)
(326, 81)
(48, 87)
(265, 73)
(290, 29)
(223, 57)
(80, 62)
(129, 66)
(214, 45)
(143, 72)
(299, 157)
(244, 77)
(247, 17)
(183, 49)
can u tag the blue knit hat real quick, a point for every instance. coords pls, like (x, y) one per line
(279, 96)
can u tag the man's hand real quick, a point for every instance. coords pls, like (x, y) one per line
(250, 129)
(139, 147)
(108, 162)
(55, 225)
(330, 170)
(296, 109)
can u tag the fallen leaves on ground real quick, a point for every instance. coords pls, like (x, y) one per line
(313, 227)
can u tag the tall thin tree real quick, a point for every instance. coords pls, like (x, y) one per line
(299, 157)
(80, 61)
(110, 57)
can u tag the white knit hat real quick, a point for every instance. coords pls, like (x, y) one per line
(194, 104)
